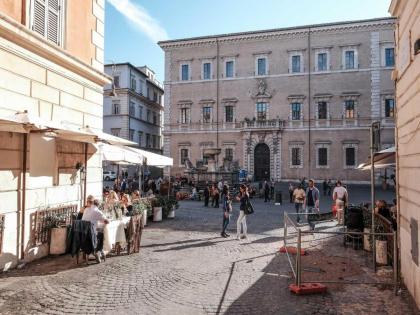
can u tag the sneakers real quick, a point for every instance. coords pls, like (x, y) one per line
(98, 257)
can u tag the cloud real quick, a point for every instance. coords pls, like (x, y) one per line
(141, 19)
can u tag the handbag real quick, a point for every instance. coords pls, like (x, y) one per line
(249, 208)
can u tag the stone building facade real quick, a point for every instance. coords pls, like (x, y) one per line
(406, 75)
(285, 103)
(135, 112)
(51, 65)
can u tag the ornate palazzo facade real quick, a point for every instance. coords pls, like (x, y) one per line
(284, 103)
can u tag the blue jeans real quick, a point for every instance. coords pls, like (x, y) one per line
(226, 220)
(310, 209)
(298, 208)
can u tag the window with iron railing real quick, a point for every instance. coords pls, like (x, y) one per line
(349, 109)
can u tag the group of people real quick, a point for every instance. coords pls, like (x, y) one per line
(307, 199)
(214, 193)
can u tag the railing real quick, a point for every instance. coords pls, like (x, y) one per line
(41, 221)
(298, 238)
(387, 227)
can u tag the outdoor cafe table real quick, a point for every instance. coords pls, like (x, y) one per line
(114, 234)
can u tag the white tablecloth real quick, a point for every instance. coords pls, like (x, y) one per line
(114, 233)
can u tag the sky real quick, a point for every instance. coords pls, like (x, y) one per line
(133, 27)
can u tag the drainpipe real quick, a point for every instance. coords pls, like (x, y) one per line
(23, 191)
(23, 13)
(309, 103)
(85, 180)
(217, 98)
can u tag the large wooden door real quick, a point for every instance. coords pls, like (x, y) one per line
(262, 162)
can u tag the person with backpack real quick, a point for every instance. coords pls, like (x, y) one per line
(227, 210)
(241, 223)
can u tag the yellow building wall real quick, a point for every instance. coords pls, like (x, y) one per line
(408, 137)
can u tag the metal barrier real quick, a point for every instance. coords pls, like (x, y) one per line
(301, 235)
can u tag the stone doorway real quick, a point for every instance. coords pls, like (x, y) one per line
(261, 162)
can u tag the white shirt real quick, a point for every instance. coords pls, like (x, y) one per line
(93, 215)
(220, 186)
(341, 191)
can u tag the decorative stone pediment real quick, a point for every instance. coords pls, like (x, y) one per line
(350, 96)
(261, 91)
(296, 98)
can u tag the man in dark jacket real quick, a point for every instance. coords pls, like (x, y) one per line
(266, 191)
(206, 196)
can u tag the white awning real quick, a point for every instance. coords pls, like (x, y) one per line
(382, 159)
(105, 137)
(25, 122)
(154, 159)
(118, 154)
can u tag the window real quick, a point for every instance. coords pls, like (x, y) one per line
(132, 109)
(229, 154)
(322, 62)
(185, 115)
(116, 108)
(296, 111)
(184, 156)
(350, 156)
(155, 96)
(185, 72)
(133, 83)
(295, 64)
(154, 141)
(261, 66)
(115, 131)
(229, 71)
(322, 157)
(155, 118)
(389, 108)
(296, 156)
(140, 138)
(141, 112)
(261, 111)
(349, 56)
(131, 134)
(117, 81)
(349, 109)
(140, 87)
(47, 19)
(389, 57)
(206, 71)
(148, 115)
(322, 110)
(147, 140)
(148, 93)
(206, 115)
(229, 114)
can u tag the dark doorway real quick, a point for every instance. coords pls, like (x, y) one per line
(262, 162)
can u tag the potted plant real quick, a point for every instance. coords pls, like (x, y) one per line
(55, 223)
(157, 209)
(142, 207)
(381, 244)
(169, 206)
(367, 223)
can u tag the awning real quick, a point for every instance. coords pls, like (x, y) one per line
(25, 122)
(154, 159)
(105, 137)
(118, 154)
(382, 159)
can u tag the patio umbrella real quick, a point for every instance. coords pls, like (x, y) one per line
(382, 159)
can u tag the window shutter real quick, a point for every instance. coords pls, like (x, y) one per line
(53, 21)
(38, 20)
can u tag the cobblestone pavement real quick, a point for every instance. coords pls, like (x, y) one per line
(185, 267)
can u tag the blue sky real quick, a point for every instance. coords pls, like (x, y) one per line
(132, 27)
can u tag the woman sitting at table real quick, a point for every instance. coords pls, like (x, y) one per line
(135, 196)
(126, 205)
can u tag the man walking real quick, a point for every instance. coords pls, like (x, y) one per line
(298, 197)
(341, 198)
(311, 202)
(206, 195)
(266, 191)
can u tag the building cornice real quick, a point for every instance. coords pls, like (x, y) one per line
(31, 41)
(387, 22)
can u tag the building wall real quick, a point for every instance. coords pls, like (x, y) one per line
(49, 82)
(369, 84)
(138, 96)
(408, 139)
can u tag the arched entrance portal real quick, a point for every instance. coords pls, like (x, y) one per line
(262, 162)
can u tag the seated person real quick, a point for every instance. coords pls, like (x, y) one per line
(382, 208)
(126, 205)
(92, 214)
